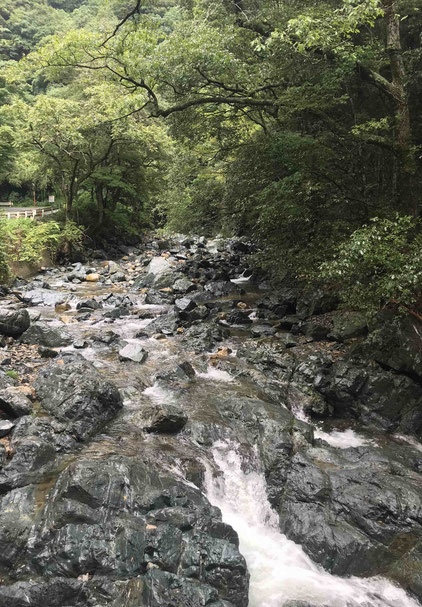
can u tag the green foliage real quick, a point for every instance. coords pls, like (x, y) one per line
(71, 235)
(380, 264)
(24, 240)
(12, 374)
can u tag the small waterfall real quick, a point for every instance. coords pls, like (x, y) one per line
(280, 570)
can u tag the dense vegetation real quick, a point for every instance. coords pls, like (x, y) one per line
(294, 122)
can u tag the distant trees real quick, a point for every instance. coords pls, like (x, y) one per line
(292, 121)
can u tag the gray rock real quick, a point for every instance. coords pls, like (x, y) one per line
(263, 330)
(133, 352)
(91, 304)
(348, 325)
(76, 394)
(6, 427)
(41, 334)
(57, 592)
(200, 337)
(164, 419)
(185, 304)
(159, 297)
(41, 297)
(352, 508)
(13, 322)
(14, 404)
(184, 285)
(181, 374)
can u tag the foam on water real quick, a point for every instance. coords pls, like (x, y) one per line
(216, 375)
(280, 570)
(410, 440)
(241, 279)
(342, 439)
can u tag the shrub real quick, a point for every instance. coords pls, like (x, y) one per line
(380, 264)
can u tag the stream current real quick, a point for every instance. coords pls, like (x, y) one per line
(280, 571)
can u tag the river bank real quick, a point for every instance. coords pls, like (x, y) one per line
(178, 432)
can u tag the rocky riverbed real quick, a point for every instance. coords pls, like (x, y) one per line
(175, 432)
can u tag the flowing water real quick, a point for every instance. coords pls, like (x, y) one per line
(280, 571)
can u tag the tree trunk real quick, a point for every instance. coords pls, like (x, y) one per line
(100, 203)
(407, 189)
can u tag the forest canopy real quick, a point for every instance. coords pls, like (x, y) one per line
(291, 122)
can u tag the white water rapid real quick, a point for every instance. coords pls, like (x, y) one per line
(280, 571)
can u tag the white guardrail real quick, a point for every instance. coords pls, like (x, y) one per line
(27, 214)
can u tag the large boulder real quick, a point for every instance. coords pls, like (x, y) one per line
(17, 511)
(41, 334)
(52, 593)
(397, 344)
(356, 511)
(76, 394)
(13, 322)
(121, 518)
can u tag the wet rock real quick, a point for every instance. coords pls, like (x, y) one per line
(398, 346)
(13, 322)
(287, 339)
(163, 588)
(238, 317)
(316, 331)
(181, 374)
(280, 303)
(200, 338)
(316, 301)
(57, 592)
(6, 427)
(79, 272)
(47, 352)
(117, 312)
(133, 352)
(159, 297)
(167, 324)
(349, 325)
(91, 304)
(36, 444)
(80, 344)
(14, 404)
(164, 419)
(377, 396)
(17, 511)
(120, 518)
(185, 305)
(39, 297)
(355, 511)
(77, 395)
(263, 330)
(41, 334)
(107, 338)
(184, 285)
